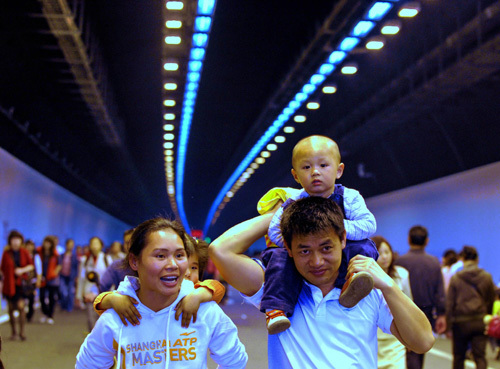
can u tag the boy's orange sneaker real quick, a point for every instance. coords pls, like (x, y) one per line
(277, 321)
(357, 287)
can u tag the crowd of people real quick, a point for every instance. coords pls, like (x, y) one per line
(332, 291)
(51, 275)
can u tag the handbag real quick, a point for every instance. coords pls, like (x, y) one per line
(493, 327)
(28, 284)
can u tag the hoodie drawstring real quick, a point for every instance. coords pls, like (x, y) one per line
(118, 356)
(167, 356)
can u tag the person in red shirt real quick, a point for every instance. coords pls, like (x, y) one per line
(16, 263)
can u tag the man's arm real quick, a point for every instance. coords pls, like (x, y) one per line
(409, 325)
(237, 269)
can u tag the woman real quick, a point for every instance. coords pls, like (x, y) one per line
(470, 297)
(97, 262)
(67, 276)
(159, 257)
(30, 246)
(115, 251)
(391, 353)
(50, 278)
(16, 263)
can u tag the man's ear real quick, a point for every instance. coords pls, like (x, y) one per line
(340, 170)
(343, 239)
(288, 249)
(132, 261)
(295, 176)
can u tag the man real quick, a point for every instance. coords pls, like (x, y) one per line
(323, 334)
(470, 297)
(116, 272)
(427, 287)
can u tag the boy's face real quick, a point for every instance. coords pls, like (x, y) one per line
(193, 270)
(317, 257)
(316, 167)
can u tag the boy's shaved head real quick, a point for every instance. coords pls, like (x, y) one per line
(316, 142)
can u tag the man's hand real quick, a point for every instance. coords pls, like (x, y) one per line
(440, 325)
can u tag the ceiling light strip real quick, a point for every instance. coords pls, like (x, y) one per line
(202, 26)
(375, 13)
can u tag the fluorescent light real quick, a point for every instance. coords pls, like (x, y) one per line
(348, 43)
(326, 69)
(174, 5)
(299, 118)
(317, 79)
(169, 102)
(289, 129)
(280, 139)
(331, 89)
(202, 24)
(308, 88)
(194, 66)
(170, 86)
(173, 24)
(349, 69)
(313, 105)
(197, 53)
(378, 10)
(336, 57)
(206, 7)
(272, 147)
(375, 43)
(409, 10)
(362, 28)
(200, 39)
(171, 66)
(172, 40)
(391, 27)
(168, 116)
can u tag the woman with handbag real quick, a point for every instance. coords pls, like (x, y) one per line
(16, 263)
(50, 278)
(34, 276)
(470, 297)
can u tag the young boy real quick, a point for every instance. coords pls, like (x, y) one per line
(316, 164)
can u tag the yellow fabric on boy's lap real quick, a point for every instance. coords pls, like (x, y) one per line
(271, 198)
(496, 308)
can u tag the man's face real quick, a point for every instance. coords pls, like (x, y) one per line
(317, 258)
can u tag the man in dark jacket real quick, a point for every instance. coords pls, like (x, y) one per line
(427, 287)
(470, 297)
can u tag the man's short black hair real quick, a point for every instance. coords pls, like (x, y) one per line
(469, 253)
(311, 215)
(418, 235)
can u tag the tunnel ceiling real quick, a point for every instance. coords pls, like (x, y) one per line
(423, 107)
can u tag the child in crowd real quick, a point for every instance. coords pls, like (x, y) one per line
(316, 164)
(159, 255)
(198, 259)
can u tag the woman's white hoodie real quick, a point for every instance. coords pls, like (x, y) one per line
(160, 341)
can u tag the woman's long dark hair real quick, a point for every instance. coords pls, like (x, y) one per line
(379, 240)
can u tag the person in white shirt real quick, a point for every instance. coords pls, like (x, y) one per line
(323, 334)
(159, 256)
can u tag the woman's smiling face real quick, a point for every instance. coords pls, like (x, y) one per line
(161, 267)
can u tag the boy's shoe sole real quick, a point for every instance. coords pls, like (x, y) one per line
(356, 288)
(277, 322)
